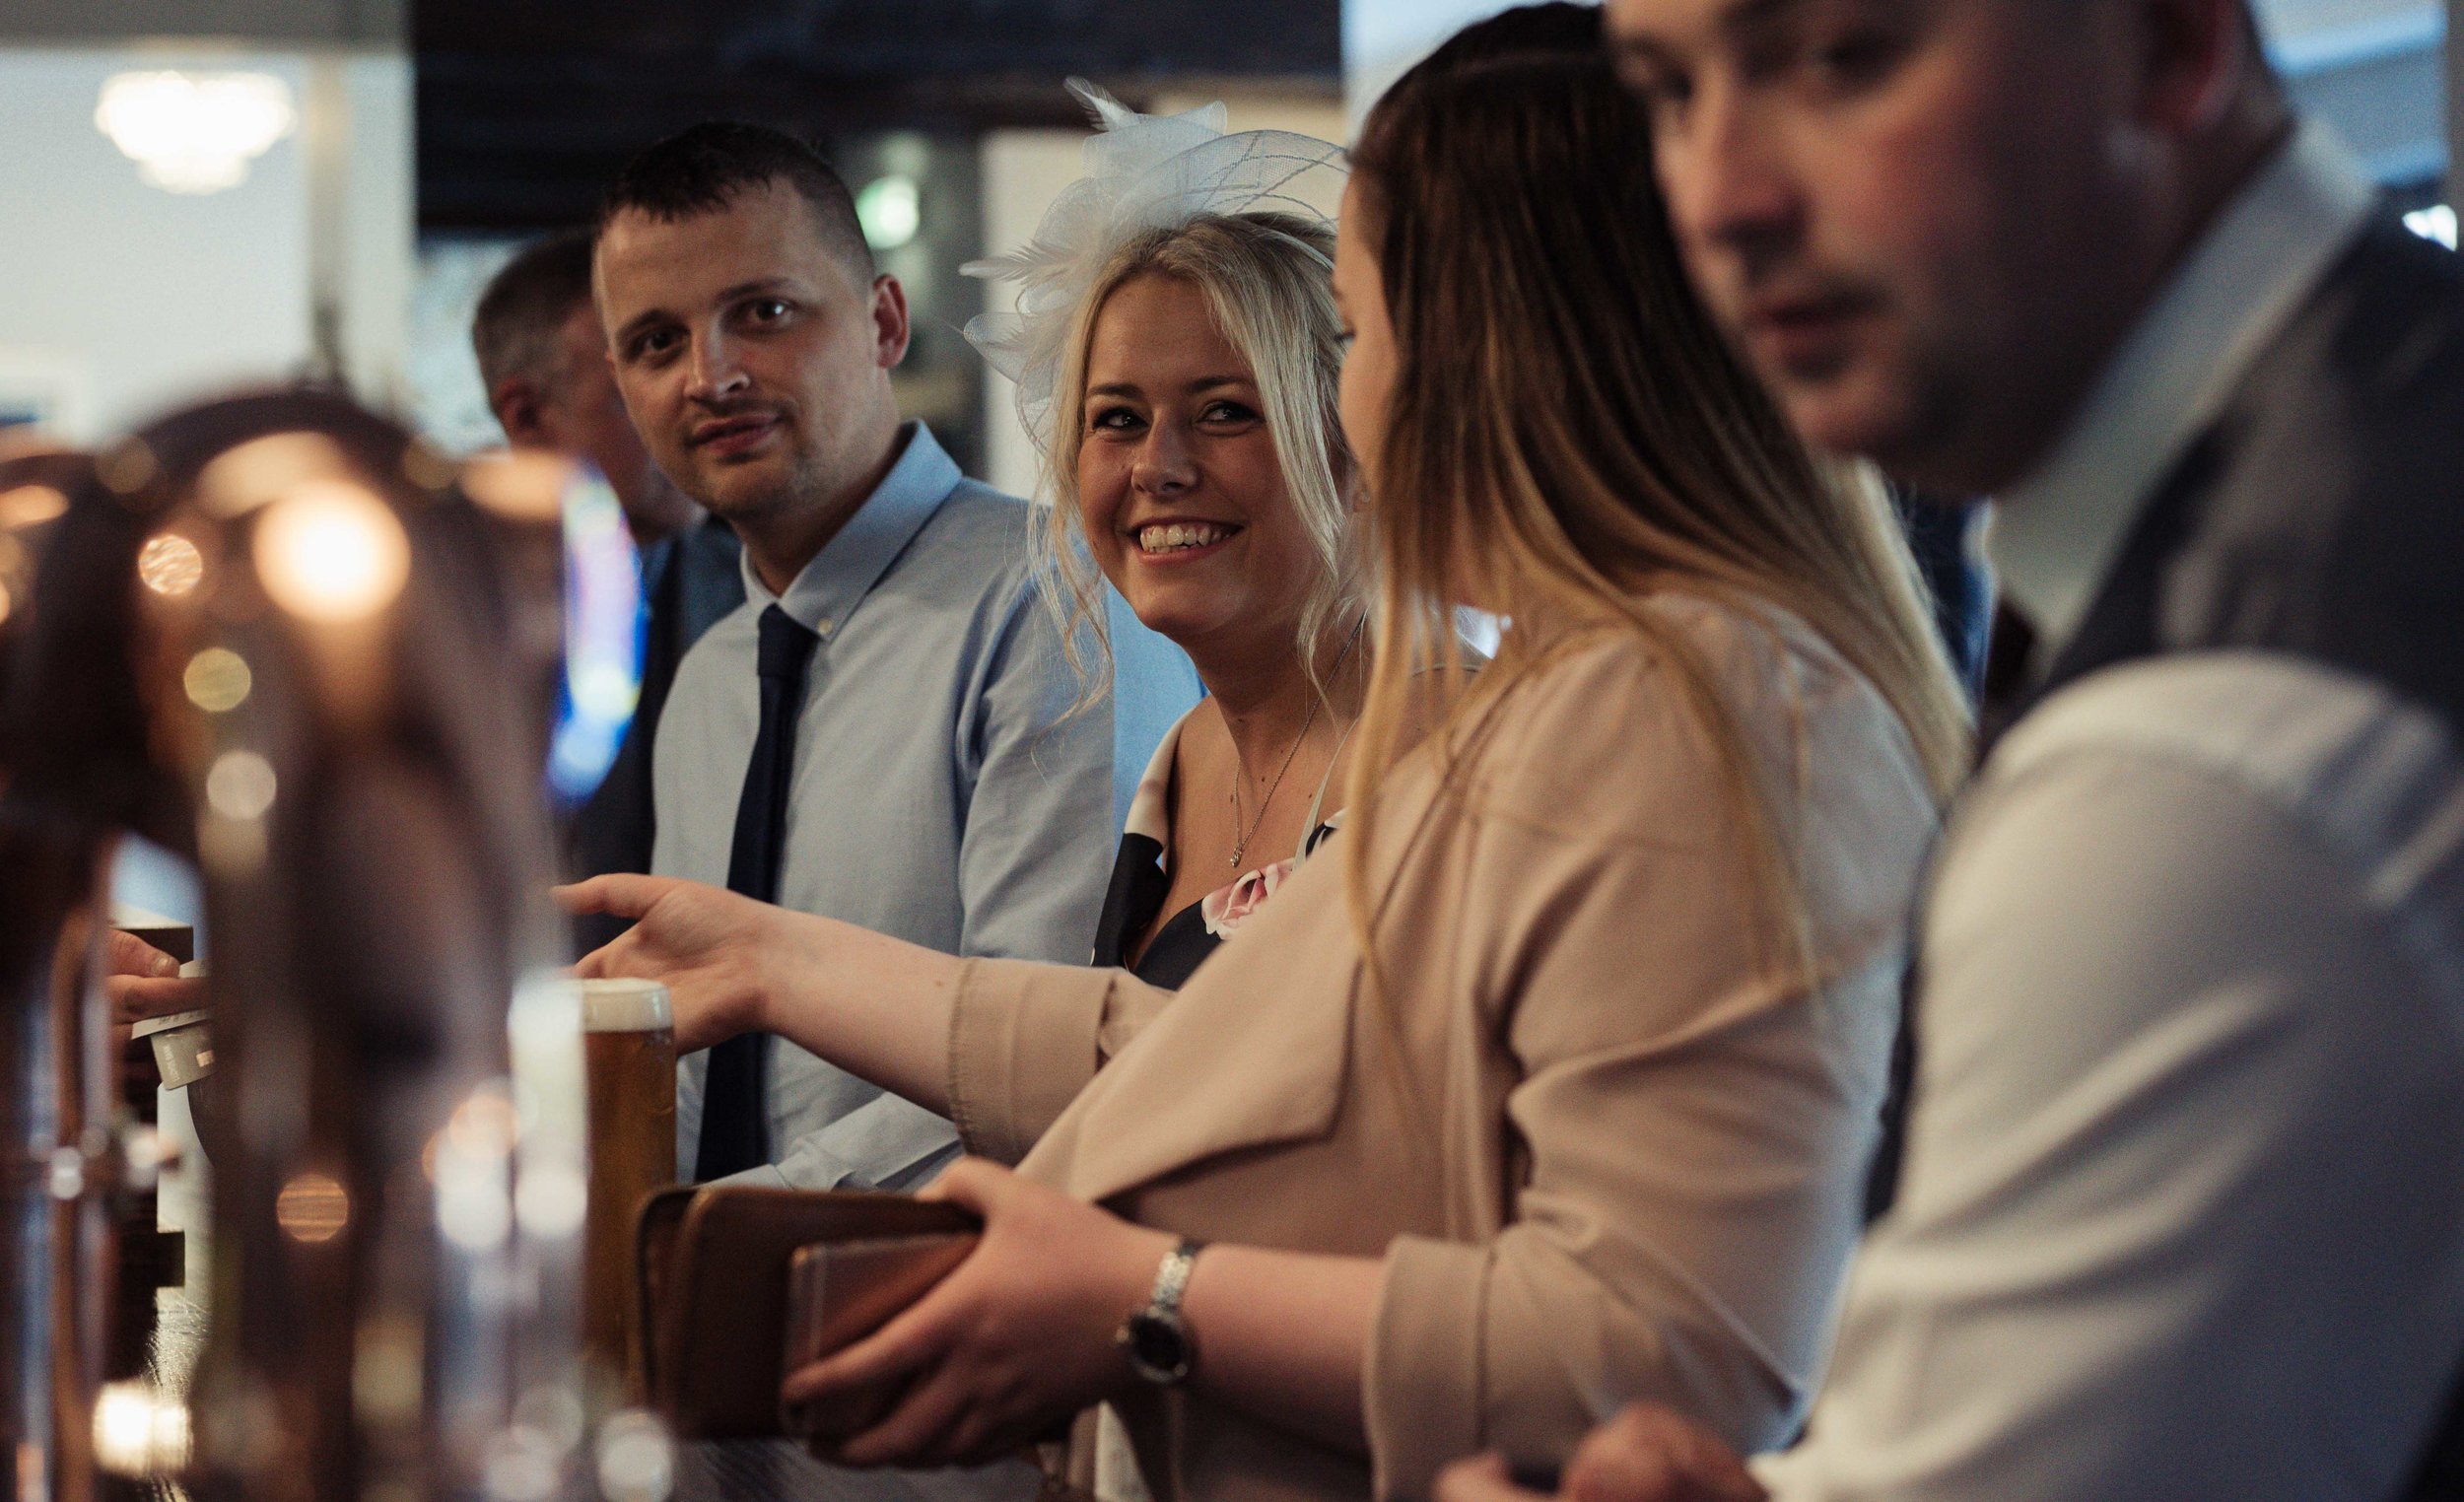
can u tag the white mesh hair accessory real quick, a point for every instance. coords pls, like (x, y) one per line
(1144, 172)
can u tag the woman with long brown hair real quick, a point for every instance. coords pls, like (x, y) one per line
(1555, 1090)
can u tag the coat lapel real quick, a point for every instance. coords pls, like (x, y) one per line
(1254, 1051)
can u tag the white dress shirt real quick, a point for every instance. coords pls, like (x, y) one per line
(2178, 1207)
(943, 790)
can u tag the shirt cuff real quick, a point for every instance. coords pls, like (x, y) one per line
(1025, 1038)
(1423, 1391)
(760, 1175)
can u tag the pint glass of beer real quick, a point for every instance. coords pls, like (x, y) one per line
(630, 1050)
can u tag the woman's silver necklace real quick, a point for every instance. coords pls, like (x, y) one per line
(1242, 846)
(1272, 787)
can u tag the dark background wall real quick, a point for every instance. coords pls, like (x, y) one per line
(526, 106)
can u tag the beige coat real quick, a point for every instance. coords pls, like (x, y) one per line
(1602, 1156)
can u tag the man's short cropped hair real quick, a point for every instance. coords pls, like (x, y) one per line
(701, 170)
(524, 309)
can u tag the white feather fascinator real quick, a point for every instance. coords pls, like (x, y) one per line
(1143, 173)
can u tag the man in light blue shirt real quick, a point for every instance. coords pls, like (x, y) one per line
(888, 732)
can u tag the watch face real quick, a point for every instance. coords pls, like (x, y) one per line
(1159, 1345)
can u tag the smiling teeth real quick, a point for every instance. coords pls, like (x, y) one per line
(1179, 538)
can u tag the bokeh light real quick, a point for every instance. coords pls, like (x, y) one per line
(171, 565)
(241, 785)
(217, 680)
(140, 1432)
(312, 1208)
(31, 506)
(332, 553)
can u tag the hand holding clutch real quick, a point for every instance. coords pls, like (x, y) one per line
(717, 1263)
(1016, 1340)
(838, 1293)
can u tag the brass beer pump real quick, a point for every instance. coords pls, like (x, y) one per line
(327, 643)
(74, 773)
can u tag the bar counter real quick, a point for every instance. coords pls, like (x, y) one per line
(752, 1470)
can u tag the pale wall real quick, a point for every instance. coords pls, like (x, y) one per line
(145, 298)
(1382, 39)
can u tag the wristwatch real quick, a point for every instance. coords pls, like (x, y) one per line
(1156, 1338)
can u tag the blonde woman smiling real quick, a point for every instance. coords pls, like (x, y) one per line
(1550, 1084)
(1196, 461)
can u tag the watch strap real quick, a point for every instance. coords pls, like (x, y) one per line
(1171, 1279)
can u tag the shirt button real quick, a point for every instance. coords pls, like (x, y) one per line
(822, 627)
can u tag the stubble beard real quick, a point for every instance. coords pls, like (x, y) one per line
(796, 487)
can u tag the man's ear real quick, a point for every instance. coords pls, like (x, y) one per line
(891, 330)
(2199, 55)
(520, 413)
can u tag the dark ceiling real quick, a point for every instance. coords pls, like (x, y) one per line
(526, 107)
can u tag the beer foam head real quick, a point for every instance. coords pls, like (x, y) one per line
(625, 1006)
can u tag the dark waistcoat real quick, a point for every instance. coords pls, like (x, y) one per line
(2320, 515)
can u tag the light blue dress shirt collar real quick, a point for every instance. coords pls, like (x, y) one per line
(843, 572)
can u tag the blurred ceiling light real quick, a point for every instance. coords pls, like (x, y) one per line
(2437, 221)
(195, 132)
(891, 210)
(332, 552)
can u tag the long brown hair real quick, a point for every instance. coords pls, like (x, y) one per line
(1568, 434)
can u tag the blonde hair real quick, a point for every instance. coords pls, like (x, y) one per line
(1266, 278)
(1568, 435)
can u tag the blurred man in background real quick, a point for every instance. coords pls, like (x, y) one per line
(543, 355)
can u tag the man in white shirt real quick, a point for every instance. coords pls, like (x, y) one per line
(2179, 1214)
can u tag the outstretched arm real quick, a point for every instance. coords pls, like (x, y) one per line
(877, 1008)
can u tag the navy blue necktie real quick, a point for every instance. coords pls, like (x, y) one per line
(735, 1115)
